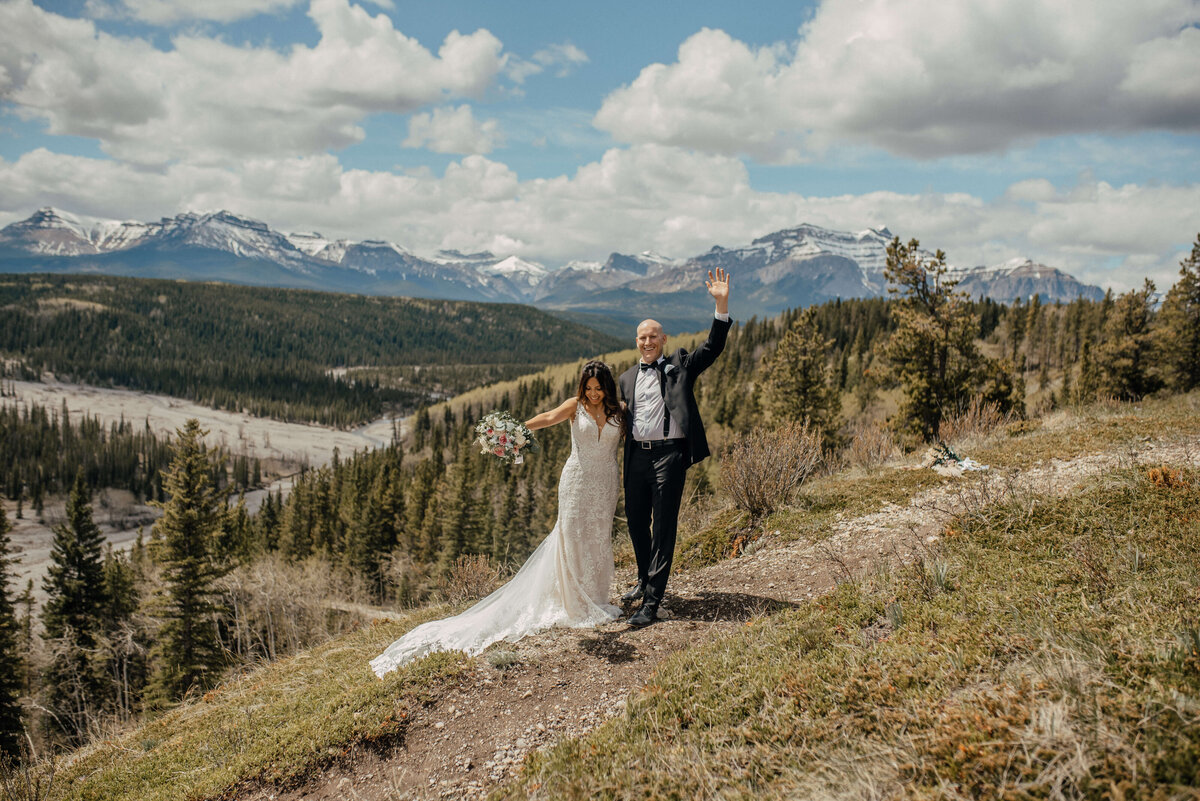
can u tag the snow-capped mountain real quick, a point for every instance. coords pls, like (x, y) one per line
(794, 267)
(229, 233)
(55, 232)
(317, 246)
(517, 270)
(1022, 279)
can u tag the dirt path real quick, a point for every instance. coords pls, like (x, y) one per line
(476, 733)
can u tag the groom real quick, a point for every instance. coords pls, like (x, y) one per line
(665, 437)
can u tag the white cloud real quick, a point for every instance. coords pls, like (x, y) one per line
(169, 12)
(924, 78)
(673, 201)
(453, 130)
(565, 56)
(209, 102)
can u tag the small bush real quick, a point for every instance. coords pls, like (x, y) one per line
(977, 421)
(471, 577)
(22, 778)
(763, 470)
(503, 658)
(871, 444)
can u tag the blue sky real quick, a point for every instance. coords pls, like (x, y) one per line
(1067, 131)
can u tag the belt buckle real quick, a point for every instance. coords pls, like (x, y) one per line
(645, 444)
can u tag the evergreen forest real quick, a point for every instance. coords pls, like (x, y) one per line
(295, 355)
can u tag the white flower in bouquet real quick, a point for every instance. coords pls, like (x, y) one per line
(499, 434)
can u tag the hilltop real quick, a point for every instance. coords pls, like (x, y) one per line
(892, 629)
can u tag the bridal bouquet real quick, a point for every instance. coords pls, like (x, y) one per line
(499, 434)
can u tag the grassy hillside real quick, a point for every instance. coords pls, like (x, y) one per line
(1049, 646)
(293, 354)
(1047, 643)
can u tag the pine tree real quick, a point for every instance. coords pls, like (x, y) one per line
(932, 350)
(1005, 387)
(74, 617)
(188, 653)
(1179, 326)
(11, 660)
(797, 376)
(1125, 357)
(461, 526)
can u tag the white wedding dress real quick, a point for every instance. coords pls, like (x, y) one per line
(565, 582)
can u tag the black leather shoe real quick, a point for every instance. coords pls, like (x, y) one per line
(637, 592)
(644, 616)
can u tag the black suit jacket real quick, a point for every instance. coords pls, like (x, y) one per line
(680, 400)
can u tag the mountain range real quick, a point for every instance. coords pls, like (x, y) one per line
(790, 268)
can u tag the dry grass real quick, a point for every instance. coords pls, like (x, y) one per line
(973, 424)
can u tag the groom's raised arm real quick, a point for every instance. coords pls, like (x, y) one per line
(699, 360)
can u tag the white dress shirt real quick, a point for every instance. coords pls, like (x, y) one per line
(648, 405)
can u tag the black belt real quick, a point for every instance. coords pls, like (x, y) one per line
(657, 444)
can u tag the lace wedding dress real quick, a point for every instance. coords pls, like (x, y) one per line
(565, 582)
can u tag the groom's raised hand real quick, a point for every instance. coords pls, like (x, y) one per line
(718, 287)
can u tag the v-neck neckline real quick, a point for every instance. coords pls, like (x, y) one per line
(599, 428)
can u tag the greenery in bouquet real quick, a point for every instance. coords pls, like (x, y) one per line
(505, 437)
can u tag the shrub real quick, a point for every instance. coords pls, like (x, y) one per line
(764, 469)
(471, 577)
(974, 422)
(871, 444)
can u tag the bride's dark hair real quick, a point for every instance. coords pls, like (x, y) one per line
(612, 405)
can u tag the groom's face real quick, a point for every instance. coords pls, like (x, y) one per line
(650, 341)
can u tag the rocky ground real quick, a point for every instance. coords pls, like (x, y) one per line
(524, 697)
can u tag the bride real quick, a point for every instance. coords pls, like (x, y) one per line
(566, 581)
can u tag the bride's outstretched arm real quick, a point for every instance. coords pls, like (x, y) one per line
(554, 416)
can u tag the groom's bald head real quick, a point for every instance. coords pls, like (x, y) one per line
(650, 340)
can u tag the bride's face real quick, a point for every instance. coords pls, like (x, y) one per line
(593, 392)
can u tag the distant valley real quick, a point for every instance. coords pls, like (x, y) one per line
(794, 267)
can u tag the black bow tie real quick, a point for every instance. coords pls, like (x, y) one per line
(644, 366)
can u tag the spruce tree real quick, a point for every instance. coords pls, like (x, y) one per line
(188, 653)
(1125, 357)
(74, 617)
(797, 376)
(11, 662)
(932, 351)
(1179, 326)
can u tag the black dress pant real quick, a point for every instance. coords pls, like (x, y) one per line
(653, 491)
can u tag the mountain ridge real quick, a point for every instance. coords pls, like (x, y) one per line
(792, 267)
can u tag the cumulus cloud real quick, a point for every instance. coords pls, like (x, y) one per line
(210, 102)
(674, 201)
(923, 79)
(453, 130)
(565, 56)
